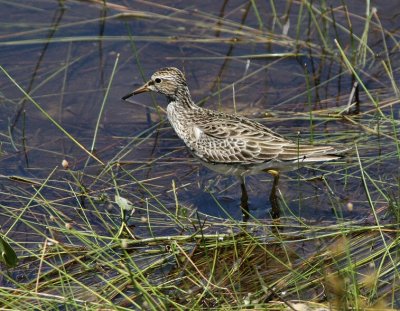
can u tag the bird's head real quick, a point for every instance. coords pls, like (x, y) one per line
(168, 81)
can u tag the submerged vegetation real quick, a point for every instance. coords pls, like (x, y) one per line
(91, 219)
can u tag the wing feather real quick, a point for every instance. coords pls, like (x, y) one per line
(224, 138)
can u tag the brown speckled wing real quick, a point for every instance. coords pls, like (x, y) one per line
(232, 139)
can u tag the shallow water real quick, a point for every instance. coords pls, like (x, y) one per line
(63, 55)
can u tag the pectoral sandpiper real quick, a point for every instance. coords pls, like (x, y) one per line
(230, 144)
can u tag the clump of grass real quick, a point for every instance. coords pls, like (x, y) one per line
(252, 265)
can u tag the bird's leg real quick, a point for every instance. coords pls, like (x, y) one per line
(273, 198)
(244, 200)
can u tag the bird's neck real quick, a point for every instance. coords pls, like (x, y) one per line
(182, 98)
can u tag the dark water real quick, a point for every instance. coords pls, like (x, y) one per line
(63, 55)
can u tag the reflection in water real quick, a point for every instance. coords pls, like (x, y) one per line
(273, 199)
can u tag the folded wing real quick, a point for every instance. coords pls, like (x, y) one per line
(221, 138)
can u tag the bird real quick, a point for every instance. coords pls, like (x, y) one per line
(231, 144)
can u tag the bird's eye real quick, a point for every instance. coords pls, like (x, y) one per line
(157, 80)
